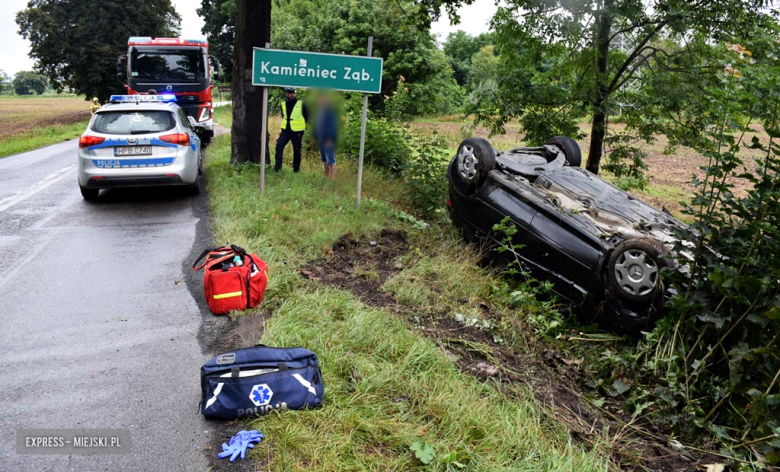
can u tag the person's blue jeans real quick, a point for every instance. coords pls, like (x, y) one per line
(328, 155)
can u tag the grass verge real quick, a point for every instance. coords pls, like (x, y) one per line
(40, 137)
(389, 388)
(223, 116)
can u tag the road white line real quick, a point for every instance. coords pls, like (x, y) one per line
(56, 212)
(8, 202)
(9, 276)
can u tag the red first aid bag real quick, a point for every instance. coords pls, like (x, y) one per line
(233, 279)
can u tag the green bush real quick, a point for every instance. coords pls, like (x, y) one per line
(426, 174)
(420, 161)
(386, 145)
(710, 369)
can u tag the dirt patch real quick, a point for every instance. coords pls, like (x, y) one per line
(245, 331)
(27, 114)
(363, 265)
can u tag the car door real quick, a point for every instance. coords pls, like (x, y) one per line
(545, 241)
(563, 251)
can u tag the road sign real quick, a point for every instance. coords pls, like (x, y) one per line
(280, 68)
(223, 88)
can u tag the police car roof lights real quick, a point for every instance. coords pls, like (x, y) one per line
(164, 98)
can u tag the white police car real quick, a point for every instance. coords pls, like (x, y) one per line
(136, 141)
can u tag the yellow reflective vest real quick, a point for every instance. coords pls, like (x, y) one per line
(297, 123)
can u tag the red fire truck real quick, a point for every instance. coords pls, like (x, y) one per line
(182, 67)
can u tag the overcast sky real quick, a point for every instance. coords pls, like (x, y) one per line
(14, 49)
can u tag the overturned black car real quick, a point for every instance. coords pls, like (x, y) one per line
(601, 247)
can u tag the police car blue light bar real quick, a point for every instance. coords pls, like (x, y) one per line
(164, 98)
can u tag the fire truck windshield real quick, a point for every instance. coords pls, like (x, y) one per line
(167, 65)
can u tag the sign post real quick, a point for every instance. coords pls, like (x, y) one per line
(280, 68)
(363, 130)
(264, 133)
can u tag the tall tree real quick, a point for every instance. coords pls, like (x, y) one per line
(4, 82)
(343, 27)
(559, 61)
(219, 26)
(27, 82)
(75, 43)
(484, 66)
(253, 29)
(460, 47)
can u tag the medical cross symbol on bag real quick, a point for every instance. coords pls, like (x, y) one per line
(260, 395)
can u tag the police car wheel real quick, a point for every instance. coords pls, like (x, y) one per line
(194, 189)
(89, 194)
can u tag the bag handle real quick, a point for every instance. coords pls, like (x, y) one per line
(227, 251)
(202, 255)
(224, 250)
(242, 252)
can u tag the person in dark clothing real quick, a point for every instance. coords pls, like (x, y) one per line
(326, 132)
(294, 119)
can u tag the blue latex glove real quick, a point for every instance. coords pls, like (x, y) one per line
(239, 443)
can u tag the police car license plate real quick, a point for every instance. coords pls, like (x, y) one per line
(133, 151)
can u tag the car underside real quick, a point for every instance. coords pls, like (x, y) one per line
(602, 247)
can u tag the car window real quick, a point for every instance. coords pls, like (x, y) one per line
(167, 65)
(133, 122)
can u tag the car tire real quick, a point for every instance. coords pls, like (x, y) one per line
(472, 163)
(570, 149)
(89, 194)
(194, 189)
(634, 269)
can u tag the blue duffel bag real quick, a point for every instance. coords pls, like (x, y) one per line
(257, 380)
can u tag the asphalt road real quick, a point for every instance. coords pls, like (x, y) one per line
(99, 327)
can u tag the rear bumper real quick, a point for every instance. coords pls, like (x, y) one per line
(183, 171)
(120, 182)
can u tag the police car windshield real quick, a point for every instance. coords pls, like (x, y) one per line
(167, 65)
(133, 122)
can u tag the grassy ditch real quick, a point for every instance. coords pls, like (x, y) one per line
(396, 398)
(39, 137)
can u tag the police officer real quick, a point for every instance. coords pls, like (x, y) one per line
(294, 119)
(95, 106)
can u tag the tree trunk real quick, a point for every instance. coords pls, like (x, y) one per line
(599, 125)
(253, 29)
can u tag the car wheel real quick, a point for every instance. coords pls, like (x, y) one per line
(194, 189)
(473, 162)
(570, 149)
(634, 269)
(89, 194)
